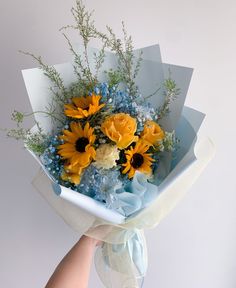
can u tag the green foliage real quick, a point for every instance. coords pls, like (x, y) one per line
(171, 92)
(60, 94)
(99, 58)
(84, 24)
(78, 89)
(35, 141)
(128, 65)
(50, 72)
(114, 77)
(170, 141)
(18, 133)
(81, 64)
(18, 117)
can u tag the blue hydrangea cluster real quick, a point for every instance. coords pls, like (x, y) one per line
(143, 113)
(120, 100)
(50, 158)
(104, 90)
(52, 161)
(100, 184)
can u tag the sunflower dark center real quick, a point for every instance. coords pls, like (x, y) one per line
(86, 108)
(81, 143)
(137, 160)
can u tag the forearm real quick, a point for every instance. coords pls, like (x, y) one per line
(73, 270)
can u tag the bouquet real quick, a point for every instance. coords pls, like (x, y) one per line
(114, 142)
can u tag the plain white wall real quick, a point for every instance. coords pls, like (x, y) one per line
(195, 246)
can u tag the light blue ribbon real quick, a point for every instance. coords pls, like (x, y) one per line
(136, 195)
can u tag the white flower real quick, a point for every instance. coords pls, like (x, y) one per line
(106, 156)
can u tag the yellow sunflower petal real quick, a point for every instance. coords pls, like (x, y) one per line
(91, 151)
(76, 129)
(145, 169)
(67, 139)
(75, 178)
(92, 139)
(131, 172)
(86, 129)
(67, 146)
(84, 159)
(127, 168)
(66, 155)
(75, 159)
(71, 177)
(78, 101)
(72, 136)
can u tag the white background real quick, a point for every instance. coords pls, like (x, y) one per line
(195, 246)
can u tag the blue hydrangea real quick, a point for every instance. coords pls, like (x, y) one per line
(99, 183)
(51, 160)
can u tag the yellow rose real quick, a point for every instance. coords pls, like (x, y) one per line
(152, 133)
(120, 128)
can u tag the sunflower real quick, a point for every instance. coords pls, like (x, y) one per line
(72, 173)
(82, 107)
(138, 159)
(77, 148)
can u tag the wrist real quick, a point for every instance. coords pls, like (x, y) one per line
(90, 241)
